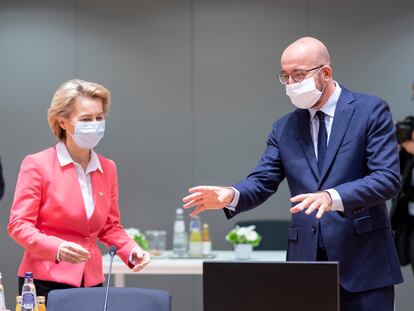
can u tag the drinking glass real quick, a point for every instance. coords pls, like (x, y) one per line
(156, 241)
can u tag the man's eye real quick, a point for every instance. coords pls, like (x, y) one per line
(298, 74)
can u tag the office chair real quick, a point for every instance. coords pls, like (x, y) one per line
(274, 233)
(92, 299)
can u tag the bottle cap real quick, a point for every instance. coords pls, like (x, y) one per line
(28, 275)
(41, 299)
(179, 211)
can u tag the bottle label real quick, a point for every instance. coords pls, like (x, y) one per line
(195, 249)
(28, 301)
(206, 248)
(179, 226)
(180, 244)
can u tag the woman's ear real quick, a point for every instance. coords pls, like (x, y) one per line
(61, 122)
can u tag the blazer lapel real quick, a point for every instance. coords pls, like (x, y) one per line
(70, 177)
(343, 114)
(304, 136)
(100, 198)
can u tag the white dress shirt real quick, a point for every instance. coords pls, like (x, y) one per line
(329, 110)
(84, 176)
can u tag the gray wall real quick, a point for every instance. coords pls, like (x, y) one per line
(194, 94)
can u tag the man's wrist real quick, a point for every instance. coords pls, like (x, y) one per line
(230, 196)
(336, 200)
(330, 197)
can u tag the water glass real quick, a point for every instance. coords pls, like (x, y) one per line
(156, 241)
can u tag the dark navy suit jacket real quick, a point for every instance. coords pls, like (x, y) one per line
(361, 164)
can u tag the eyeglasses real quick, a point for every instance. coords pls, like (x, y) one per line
(297, 75)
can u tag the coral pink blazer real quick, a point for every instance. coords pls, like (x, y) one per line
(48, 209)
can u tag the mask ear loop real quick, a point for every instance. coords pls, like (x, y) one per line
(324, 86)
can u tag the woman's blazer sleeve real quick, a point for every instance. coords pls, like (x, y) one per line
(28, 199)
(113, 233)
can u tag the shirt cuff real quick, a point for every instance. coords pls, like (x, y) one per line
(131, 253)
(233, 204)
(337, 204)
(58, 251)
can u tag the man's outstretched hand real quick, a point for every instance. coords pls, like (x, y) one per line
(207, 198)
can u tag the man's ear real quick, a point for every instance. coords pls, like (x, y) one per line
(327, 70)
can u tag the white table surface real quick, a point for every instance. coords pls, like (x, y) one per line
(164, 264)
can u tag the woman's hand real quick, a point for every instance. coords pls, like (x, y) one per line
(73, 253)
(140, 259)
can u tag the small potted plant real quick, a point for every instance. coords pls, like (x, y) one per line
(139, 237)
(243, 240)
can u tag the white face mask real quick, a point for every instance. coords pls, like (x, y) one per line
(88, 134)
(304, 94)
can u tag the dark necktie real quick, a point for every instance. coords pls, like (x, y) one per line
(322, 140)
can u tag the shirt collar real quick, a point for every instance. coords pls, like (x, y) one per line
(65, 158)
(330, 105)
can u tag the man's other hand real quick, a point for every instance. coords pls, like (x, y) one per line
(320, 201)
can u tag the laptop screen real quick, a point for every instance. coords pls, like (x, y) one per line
(251, 286)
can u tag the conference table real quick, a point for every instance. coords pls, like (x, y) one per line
(165, 264)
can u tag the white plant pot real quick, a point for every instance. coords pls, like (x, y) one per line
(243, 251)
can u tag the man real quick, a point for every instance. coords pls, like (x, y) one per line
(339, 155)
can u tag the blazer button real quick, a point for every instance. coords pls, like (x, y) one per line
(314, 229)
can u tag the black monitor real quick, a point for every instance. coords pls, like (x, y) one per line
(251, 286)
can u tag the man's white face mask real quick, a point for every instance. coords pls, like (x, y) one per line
(304, 94)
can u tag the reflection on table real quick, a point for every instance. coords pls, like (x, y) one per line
(164, 264)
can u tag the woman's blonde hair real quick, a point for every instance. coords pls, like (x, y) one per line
(65, 96)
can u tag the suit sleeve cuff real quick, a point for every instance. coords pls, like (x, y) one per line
(337, 204)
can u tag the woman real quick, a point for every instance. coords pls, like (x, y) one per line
(66, 198)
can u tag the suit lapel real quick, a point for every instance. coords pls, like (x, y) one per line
(304, 136)
(343, 114)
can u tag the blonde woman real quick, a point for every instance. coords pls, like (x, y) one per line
(66, 197)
